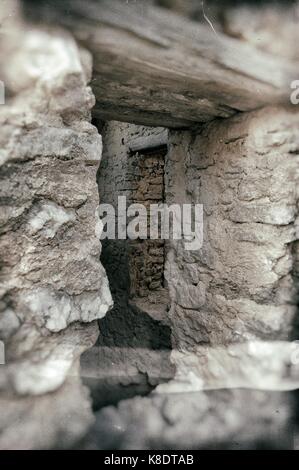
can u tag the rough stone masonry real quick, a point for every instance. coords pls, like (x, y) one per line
(234, 303)
(225, 316)
(53, 287)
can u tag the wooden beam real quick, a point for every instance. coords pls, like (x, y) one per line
(154, 67)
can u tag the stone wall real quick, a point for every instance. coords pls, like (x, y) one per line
(134, 336)
(53, 287)
(234, 302)
(215, 419)
(133, 166)
(146, 260)
(229, 313)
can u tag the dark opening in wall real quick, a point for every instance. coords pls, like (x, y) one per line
(132, 354)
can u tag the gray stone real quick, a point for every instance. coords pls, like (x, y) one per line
(224, 419)
(53, 286)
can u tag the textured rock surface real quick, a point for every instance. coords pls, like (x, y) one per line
(134, 338)
(50, 421)
(154, 67)
(232, 304)
(256, 23)
(265, 365)
(234, 419)
(242, 285)
(146, 260)
(51, 279)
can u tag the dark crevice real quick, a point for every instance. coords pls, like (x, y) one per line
(132, 354)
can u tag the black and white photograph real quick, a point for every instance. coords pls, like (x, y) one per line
(149, 230)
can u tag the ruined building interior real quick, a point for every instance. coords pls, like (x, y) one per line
(142, 343)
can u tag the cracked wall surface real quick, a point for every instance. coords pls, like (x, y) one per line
(227, 314)
(241, 288)
(233, 303)
(146, 257)
(53, 287)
